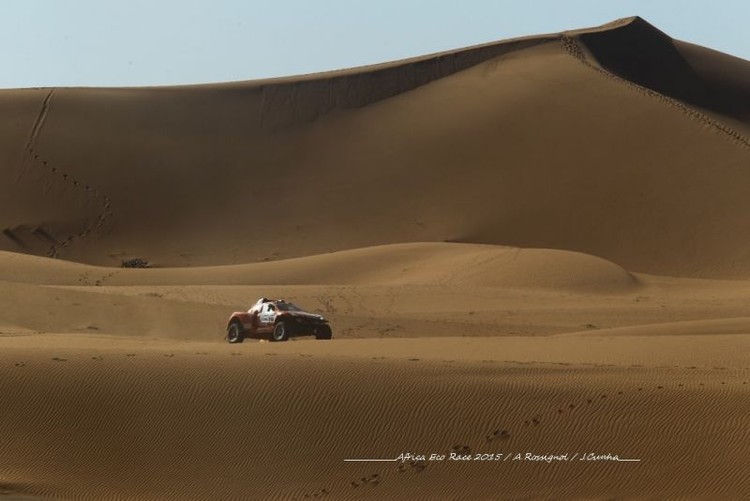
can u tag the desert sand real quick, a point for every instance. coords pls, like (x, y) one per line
(531, 247)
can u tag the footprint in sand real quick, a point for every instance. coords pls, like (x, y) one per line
(97, 358)
(170, 355)
(58, 359)
(316, 494)
(418, 466)
(20, 364)
(373, 480)
(130, 354)
(498, 434)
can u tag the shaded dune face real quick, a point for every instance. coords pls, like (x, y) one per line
(593, 141)
(640, 53)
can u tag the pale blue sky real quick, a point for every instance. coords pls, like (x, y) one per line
(160, 42)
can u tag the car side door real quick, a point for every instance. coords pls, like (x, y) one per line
(267, 317)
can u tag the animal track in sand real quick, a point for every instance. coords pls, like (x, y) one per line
(44, 165)
(497, 434)
(418, 466)
(315, 494)
(371, 480)
(534, 421)
(90, 193)
(106, 277)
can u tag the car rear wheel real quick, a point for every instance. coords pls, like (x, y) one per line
(280, 332)
(323, 332)
(234, 333)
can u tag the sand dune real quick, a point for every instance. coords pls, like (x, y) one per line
(419, 263)
(408, 290)
(534, 246)
(520, 144)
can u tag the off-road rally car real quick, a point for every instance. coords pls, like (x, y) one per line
(277, 320)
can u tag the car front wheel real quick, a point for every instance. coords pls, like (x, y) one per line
(234, 333)
(280, 332)
(323, 332)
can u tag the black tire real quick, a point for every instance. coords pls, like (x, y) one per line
(323, 332)
(280, 332)
(234, 333)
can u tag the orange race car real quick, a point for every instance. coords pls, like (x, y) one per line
(277, 320)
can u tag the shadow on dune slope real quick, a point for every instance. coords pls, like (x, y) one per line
(639, 52)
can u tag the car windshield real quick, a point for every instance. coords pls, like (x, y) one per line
(283, 306)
